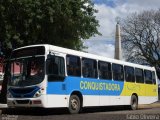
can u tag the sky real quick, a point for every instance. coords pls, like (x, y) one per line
(108, 11)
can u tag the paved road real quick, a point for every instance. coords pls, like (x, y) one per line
(108, 113)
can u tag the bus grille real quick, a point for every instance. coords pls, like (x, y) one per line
(22, 101)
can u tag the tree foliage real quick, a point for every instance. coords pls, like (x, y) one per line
(141, 38)
(59, 22)
(64, 23)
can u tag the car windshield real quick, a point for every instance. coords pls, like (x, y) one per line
(26, 71)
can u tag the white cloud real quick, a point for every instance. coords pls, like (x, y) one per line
(107, 20)
(144, 4)
(100, 48)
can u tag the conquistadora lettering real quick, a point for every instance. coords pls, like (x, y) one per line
(99, 86)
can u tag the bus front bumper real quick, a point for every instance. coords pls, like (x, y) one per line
(27, 102)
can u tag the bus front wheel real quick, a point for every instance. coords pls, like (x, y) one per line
(74, 104)
(134, 102)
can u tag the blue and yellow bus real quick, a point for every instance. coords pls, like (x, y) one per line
(48, 76)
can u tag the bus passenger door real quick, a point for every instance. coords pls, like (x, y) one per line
(56, 88)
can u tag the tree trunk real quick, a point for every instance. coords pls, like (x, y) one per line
(3, 95)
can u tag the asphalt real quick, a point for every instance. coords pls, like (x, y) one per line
(153, 105)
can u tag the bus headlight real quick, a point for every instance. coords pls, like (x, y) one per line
(39, 92)
(9, 94)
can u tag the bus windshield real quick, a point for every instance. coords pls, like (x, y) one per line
(26, 71)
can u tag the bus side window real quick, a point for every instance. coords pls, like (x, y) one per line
(118, 73)
(55, 68)
(52, 67)
(73, 65)
(89, 68)
(104, 69)
(148, 76)
(129, 74)
(153, 78)
(139, 75)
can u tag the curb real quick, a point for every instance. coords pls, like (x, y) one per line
(3, 106)
(154, 105)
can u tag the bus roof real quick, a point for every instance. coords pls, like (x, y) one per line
(88, 55)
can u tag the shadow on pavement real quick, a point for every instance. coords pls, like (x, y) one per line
(46, 111)
(34, 111)
(105, 109)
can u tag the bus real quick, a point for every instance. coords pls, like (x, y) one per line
(49, 76)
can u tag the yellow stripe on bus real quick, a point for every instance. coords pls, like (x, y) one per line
(139, 89)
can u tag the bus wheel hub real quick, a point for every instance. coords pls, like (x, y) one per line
(74, 104)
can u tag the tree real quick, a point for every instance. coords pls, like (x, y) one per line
(141, 38)
(64, 23)
(59, 22)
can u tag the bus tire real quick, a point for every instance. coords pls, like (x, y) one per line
(74, 104)
(134, 102)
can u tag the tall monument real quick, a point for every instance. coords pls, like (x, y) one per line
(117, 54)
